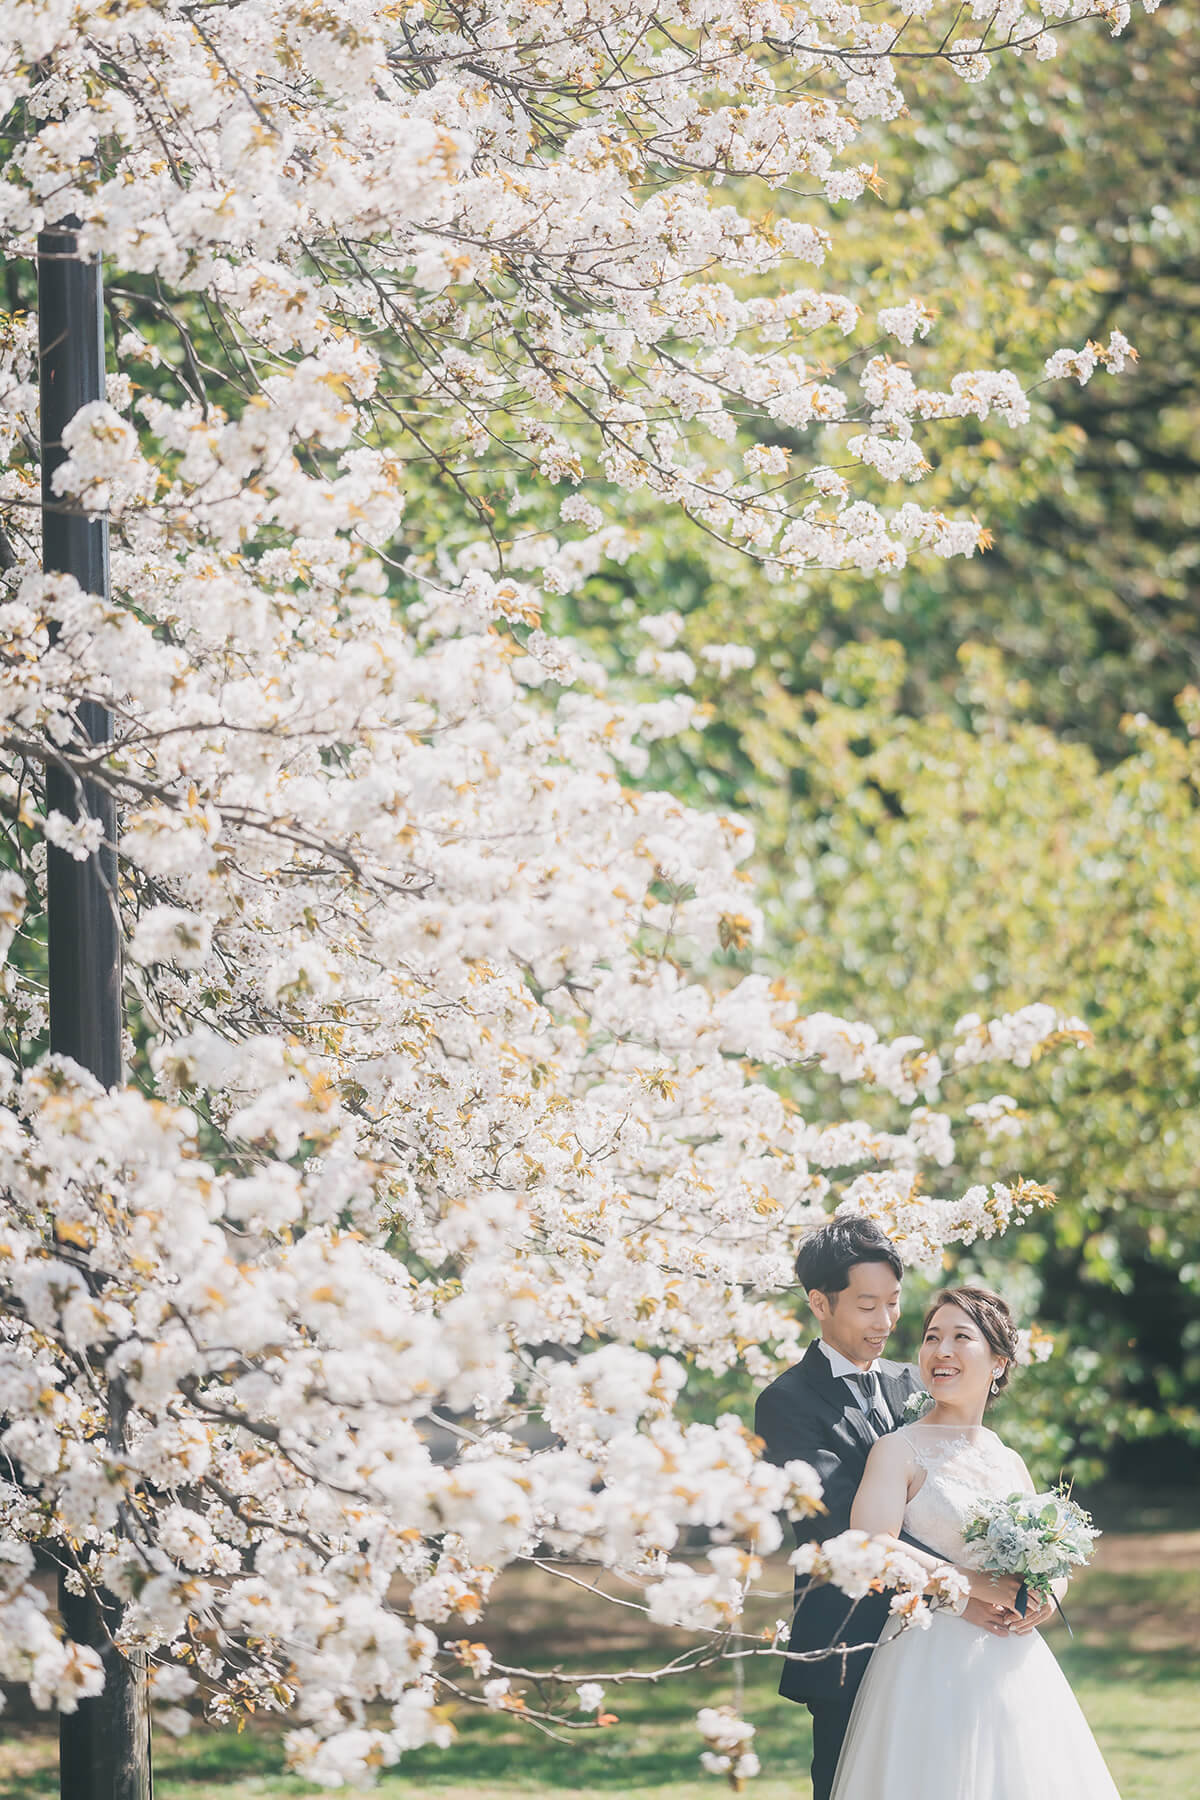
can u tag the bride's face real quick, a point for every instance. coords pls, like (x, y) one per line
(957, 1362)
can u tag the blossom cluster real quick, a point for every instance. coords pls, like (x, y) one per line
(727, 1739)
(58, 1674)
(859, 1565)
(921, 1224)
(1019, 1038)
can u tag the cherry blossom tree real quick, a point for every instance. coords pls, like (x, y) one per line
(448, 1144)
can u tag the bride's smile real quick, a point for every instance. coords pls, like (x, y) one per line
(958, 1366)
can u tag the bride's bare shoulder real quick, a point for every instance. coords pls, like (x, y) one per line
(892, 1447)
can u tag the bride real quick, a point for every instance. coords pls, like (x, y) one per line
(956, 1712)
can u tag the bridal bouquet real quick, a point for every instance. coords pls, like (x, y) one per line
(1036, 1536)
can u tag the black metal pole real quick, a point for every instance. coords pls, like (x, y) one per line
(104, 1747)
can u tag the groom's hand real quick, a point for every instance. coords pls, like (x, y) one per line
(999, 1620)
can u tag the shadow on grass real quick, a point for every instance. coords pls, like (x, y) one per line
(655, 1744)
(1141, 1705)
(1118, 1667)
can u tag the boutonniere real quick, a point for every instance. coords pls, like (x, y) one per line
(915, 1405)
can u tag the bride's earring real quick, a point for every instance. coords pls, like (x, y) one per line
(996, 1381)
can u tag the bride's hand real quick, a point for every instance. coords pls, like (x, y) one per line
(1039, 1613)
(998, 1620)
(996, 1590)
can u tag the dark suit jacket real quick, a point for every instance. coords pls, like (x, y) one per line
(809, 1414)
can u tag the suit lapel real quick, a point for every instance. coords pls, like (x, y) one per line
(820, 1379)
(897, 1384)
(857, 1422)
(834, 1394)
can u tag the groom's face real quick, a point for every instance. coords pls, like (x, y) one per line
(860, 1318)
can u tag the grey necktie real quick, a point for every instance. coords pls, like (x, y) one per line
(868, 1383)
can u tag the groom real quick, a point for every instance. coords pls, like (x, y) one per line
(828, 1410)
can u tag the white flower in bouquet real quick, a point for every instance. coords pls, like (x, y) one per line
(1043, 1559)
(916, 1406)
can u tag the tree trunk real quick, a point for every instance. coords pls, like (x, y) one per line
(104, 1747)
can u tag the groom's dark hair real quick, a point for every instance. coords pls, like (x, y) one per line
(827, 1255)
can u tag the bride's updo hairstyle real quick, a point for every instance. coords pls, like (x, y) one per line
(990, 1314)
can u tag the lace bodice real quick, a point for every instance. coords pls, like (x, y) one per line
(961, 1466)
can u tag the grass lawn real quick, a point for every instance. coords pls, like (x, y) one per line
(1134, 1663)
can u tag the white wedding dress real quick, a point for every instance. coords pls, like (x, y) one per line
(954, 1712)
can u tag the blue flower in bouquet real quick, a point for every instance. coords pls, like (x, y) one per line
(1006, 1545)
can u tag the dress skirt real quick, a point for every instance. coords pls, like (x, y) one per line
(956, 1713)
